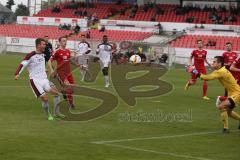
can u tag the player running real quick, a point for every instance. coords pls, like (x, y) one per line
(227, 105)
(40, 85)
(199, 56)
(105, 54)
(82, 57)
(63, 58)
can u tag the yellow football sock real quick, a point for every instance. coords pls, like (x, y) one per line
(224, 117)
(235, 115)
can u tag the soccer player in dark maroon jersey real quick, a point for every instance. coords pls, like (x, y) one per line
(199, 56)
(63, 58)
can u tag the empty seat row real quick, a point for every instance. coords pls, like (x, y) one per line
(189, 41)
(31, 31)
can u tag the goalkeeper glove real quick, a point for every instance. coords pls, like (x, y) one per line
(193, 70)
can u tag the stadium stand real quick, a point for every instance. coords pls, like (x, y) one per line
(133, 31)
(175, 13)
(80, 10)
(114, 35)
(30, 31)
(210, 42)
(148, 12)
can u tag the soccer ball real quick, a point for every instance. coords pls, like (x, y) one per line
(219, 100)
(135, 59)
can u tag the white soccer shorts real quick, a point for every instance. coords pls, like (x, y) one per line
(83, 60)
(104, 64)
(40, 86)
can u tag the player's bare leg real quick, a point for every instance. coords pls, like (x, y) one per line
(189, 83)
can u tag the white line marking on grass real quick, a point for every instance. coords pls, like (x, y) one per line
(156, 101)
(151, 138)
(109, 143)
(158, 152)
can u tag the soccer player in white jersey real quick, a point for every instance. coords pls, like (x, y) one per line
(82, 57)
(40, 85)
(104, 50)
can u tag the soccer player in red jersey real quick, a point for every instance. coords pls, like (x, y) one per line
(235, 68)
(229, 57)
(63, 58)
(199, 56)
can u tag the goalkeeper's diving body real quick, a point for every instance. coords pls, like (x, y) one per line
(226, 105)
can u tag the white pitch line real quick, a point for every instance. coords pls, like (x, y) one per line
(158, 152)
(151, 138)
(109, 143)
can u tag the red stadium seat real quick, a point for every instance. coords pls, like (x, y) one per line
(189, 41)
(30, 31)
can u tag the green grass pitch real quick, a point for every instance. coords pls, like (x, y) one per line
(26, 135)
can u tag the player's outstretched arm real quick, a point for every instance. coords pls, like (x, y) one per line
(20, 68)
(50, 67)
(190, 60)
(73, 53)
(73, 62)
(211, 76)
(234, 68)
(89, 49)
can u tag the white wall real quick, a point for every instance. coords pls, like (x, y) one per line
(140, 26)
(126, 22)
(168, 2)
(52, 21)
(167, 26)
(215, 33)
(26, 45)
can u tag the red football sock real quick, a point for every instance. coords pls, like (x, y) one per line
(191, 82)
(69, 93)
(205, 86)
(70, 99)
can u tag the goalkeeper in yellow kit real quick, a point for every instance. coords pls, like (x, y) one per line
(227, 80)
